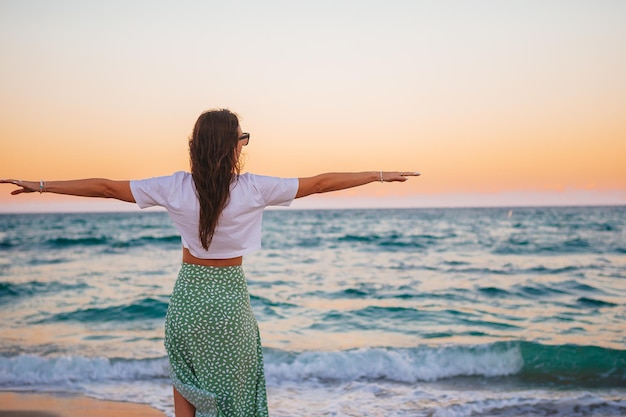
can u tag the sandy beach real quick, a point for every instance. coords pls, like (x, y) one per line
(63, 405)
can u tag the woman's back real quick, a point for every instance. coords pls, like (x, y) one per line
(238, 231)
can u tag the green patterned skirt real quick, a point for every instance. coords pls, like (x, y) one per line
(212, 340)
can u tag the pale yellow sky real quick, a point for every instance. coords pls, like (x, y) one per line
(517, 102)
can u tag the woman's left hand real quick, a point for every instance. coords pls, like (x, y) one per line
(26, 186)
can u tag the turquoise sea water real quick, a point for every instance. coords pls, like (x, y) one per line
(425, 312)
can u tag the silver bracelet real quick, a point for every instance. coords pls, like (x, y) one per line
(42, 184)
(381, 176)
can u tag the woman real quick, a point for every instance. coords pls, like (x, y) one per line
(211, 334)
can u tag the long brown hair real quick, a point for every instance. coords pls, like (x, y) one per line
(214, 166)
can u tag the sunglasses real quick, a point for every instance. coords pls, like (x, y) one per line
(245, 137)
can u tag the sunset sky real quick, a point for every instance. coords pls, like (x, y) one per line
(495, 102)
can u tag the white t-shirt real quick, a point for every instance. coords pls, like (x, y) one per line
(238, 231)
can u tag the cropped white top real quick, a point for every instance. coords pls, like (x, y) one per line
(238, 231)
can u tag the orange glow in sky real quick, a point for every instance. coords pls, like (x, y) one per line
(521, 100)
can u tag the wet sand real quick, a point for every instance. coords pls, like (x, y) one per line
(51, 405)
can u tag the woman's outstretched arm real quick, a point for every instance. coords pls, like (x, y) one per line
(335, 181)
(91, 187)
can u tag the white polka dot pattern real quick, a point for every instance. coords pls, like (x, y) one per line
(212, 339)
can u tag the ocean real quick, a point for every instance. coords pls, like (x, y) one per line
(395, 312)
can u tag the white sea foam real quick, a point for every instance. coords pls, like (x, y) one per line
(371, 381)
(394, 364)
(380, 399)
(534, 402)
(69, 370)
(400, 365)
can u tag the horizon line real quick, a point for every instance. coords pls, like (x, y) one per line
(509, 199)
